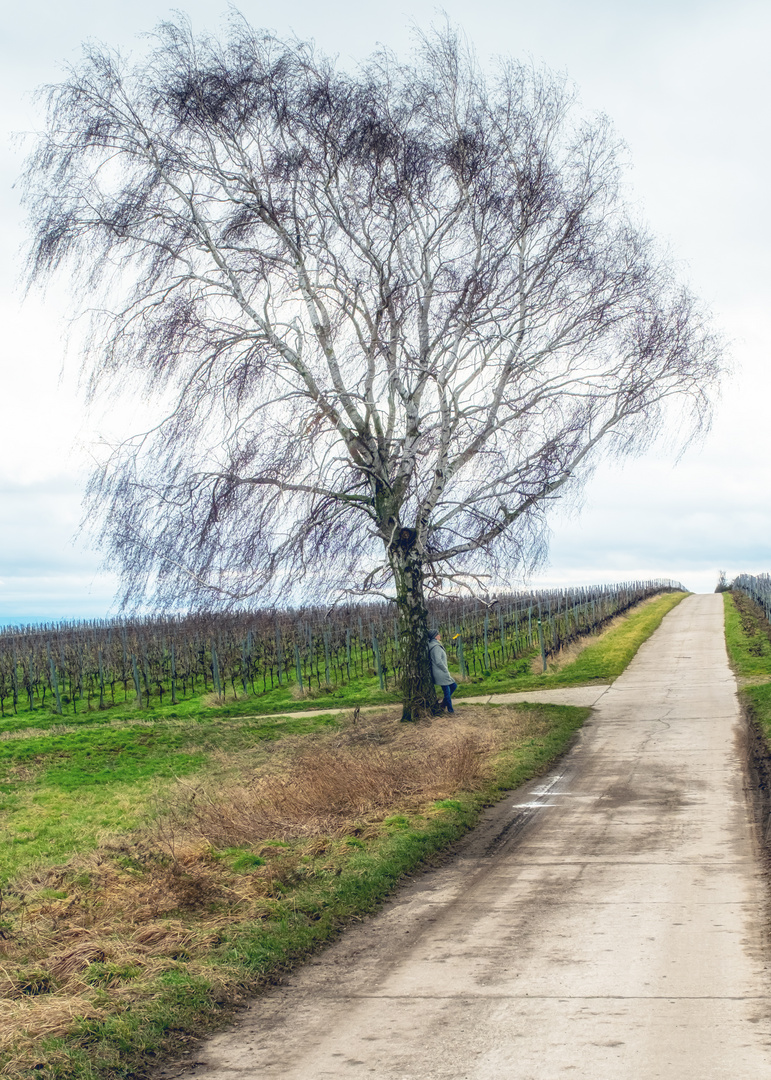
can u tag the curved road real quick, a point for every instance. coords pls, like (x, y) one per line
(607, 923)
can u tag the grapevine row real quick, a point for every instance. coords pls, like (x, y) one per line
(757, 587)
(70, 667)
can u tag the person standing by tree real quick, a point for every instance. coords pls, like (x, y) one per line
(440, 670)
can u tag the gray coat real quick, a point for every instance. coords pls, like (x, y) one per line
(439, 669)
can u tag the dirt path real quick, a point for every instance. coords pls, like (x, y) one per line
(606, 923)
(570, 695)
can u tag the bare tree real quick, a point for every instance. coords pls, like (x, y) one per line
(392, 313)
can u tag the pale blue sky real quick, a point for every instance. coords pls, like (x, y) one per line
(687, 85)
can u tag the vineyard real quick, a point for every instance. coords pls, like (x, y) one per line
(758, 588)
(73, 667)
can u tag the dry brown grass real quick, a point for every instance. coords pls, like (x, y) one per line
(24, 1024)
(213, 700)
(24, 733)
(147, 903)
(329, 790)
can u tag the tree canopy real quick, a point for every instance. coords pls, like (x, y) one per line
(394, 311)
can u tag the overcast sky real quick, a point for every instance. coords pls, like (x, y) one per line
(687, 85)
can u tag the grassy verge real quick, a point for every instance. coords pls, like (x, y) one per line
(748, 639)
(265, 843)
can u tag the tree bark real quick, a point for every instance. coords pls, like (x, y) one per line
(418, 693)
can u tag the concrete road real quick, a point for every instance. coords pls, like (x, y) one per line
(566, 695)
(607, 923)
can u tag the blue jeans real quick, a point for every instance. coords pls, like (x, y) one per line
(448, 691)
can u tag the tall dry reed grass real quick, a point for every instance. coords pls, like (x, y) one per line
(327, 791)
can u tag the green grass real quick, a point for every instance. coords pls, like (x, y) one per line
(61, 792)
(44, 826)
(85, 758)
(746, 636)
(748, 639)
